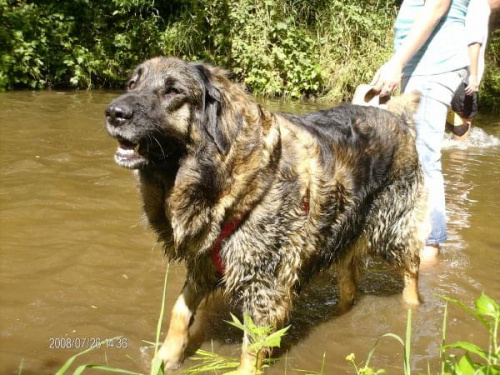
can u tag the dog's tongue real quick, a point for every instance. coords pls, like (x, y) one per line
(126, 149)
(126, 145)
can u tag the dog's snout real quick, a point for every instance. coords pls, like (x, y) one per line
(118, 113)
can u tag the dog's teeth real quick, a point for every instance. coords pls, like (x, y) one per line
(125, 151)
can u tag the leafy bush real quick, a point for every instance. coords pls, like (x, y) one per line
(275, 56)
(82, 43)
(489, 94)
(290, 48)
(355, 40)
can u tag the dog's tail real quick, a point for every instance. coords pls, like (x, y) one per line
(406, 106)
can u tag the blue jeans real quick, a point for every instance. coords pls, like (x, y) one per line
(437, 91)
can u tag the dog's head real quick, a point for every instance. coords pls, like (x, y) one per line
(170, 106)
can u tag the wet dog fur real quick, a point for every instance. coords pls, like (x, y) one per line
(303, 191)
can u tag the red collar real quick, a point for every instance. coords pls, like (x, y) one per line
(228, 229)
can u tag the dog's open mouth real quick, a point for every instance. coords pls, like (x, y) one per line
(128, 155)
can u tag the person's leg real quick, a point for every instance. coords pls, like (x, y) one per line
(461, 132)
(464, 107)
(469, 111)
(437, 92)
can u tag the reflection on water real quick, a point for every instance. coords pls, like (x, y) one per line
(77, 261)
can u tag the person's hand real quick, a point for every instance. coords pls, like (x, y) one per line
(473, 85)
(387, 78)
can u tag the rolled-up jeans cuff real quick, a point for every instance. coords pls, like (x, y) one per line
(435, 242)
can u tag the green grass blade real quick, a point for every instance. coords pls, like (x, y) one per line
(20, 368)
(372, 351)
(470, 347)
(395, 337)
(323, 364)
(157, 366)
(70, 361)
(443, 340)
(466, 308)
(236, 323)
(210, 362)
(370, 354)
(82, 368)
(162, 310)
(408, 343)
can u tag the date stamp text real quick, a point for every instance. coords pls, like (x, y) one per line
(87, 343)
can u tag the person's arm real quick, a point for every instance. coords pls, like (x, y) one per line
(388, 77)
(473, 85)
(476, 32)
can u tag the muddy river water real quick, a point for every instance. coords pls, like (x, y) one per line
(78, 265)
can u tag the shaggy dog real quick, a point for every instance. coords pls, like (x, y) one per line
(256, 202)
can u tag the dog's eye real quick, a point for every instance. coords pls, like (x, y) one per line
(170, 90)
(131, 84)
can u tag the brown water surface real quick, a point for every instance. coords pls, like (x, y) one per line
(78, 264)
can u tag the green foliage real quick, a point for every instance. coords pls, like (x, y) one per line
(355, 39)
(273, 54)
(259, 41)
(286, 48)
(276, 47)
(82, 43)
(209, 362)
(489, 94)
(367, 370)
(80, 369)
(261, 339)
(476, 360)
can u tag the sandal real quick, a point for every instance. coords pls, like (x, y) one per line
(458, 126)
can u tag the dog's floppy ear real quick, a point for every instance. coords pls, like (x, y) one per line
(211, 111)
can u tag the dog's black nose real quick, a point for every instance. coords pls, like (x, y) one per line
(118, 113)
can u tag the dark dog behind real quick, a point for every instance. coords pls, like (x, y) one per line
(256, 202)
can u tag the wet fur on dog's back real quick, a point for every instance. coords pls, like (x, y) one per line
(301, 191)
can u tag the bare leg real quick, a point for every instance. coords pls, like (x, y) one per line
(172, 350)
(429, 255)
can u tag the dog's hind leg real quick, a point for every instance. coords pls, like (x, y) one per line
(172, 350)
(348, 278)
(348, 273)
(410, 291)
(419, 230)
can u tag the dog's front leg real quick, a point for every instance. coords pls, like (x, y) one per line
(268, 309)
(249, 361)
(172, 350)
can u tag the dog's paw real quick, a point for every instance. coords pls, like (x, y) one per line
(247, 369)
(411, 299)
(171, 355)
